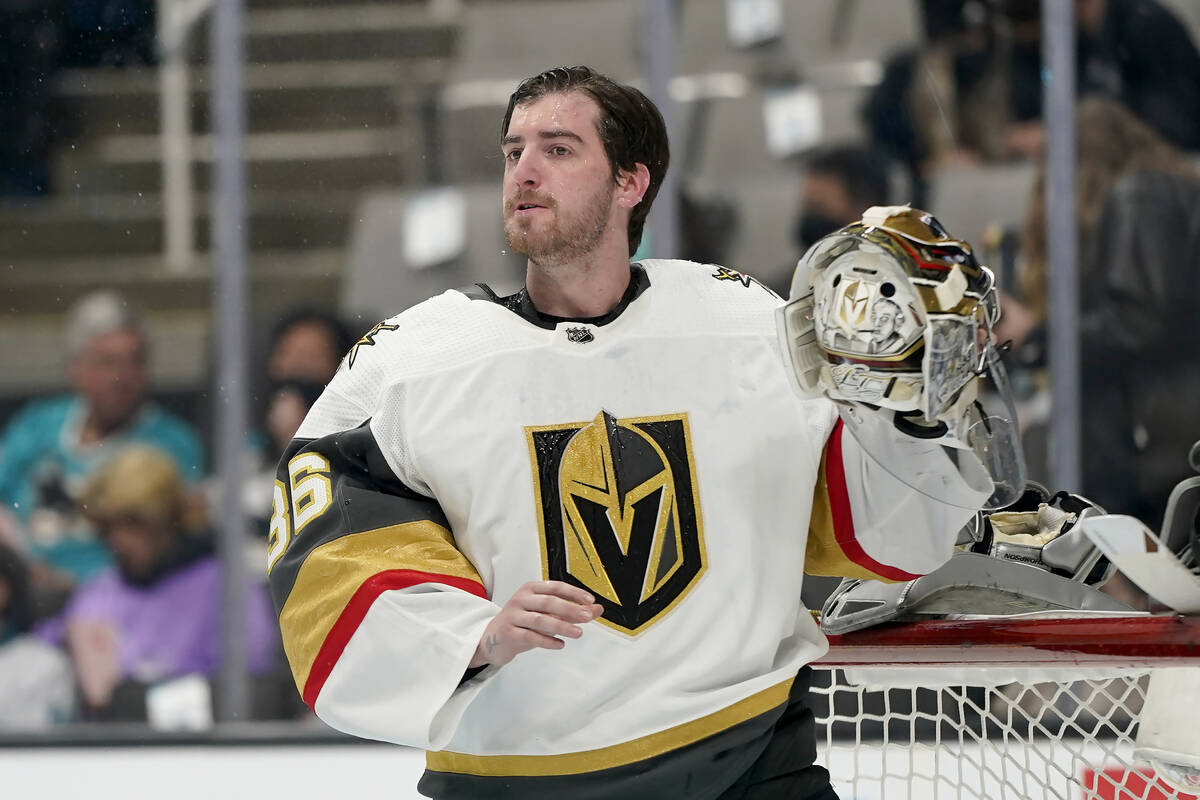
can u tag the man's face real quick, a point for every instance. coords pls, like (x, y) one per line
(884, 317)
(305, 351)
(137, 542)
(110, 373)
(825, 207)
(826, 195)
(558, 184)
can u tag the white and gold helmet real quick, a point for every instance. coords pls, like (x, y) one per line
(893, 314)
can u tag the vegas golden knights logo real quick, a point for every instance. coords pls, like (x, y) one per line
(619, 514)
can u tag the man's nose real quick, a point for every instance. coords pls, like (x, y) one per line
(525, 173)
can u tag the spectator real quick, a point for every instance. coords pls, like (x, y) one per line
(943, 100)
(975, 94)
(156, 615)
(287, 405)
(1134, 51)
(51, 446)
(1139, 271)
(36, 687)
(840, 183)
(306, 347)
(1138, 52)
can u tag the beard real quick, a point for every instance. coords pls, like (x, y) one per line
(563, 238)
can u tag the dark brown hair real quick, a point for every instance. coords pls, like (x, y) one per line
(630, 126)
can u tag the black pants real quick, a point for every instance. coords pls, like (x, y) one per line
(786, 770)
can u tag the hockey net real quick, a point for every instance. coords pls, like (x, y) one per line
(1013, 708)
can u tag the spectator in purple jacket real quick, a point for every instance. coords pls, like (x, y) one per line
(155, 616)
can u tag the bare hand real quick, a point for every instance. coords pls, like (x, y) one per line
(95, 654)
(535, 616)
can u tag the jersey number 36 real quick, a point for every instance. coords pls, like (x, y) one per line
(311, 493)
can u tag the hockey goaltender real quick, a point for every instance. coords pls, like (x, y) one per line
(557, 538)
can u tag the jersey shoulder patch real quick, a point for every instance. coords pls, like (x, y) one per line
(369, 339)
(733, 276)
(716, 299)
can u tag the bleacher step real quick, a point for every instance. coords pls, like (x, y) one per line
(301, 95)
(132, 225)
(177, 309)
(341, 31)
(316, 161)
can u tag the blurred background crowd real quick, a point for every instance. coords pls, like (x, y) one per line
(373, 167)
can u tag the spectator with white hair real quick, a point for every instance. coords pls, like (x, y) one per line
(52, 445)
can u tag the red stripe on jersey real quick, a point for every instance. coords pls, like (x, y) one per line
(356, 609)
(843, 520)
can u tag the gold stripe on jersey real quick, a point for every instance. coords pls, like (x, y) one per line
(333, 572)
(823, 555)
(617, 755)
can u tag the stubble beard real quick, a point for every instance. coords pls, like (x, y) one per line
(564, 239)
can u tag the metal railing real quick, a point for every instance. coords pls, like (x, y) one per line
(176, 21)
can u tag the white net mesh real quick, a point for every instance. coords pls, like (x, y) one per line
(1053, 734)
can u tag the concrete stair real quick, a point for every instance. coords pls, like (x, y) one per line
(298, 95)
(295, 161)
(332, 92)
(128, 225)
(341, 31)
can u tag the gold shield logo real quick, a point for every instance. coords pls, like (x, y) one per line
(618, 513)
(852, 310)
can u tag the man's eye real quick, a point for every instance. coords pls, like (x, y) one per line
(559, 150)
(512, 155)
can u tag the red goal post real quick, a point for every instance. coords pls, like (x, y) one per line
(1016, 707)
(1147, 641)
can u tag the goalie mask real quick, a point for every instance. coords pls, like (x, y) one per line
(892, 318)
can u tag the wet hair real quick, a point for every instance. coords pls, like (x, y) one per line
(630, 127)
(863, 173)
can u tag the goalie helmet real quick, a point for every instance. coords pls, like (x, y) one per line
(891, 317)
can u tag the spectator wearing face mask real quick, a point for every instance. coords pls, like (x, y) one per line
(840, 182)
(303, 352)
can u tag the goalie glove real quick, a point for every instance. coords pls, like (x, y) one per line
(891, 318)
(1030, 557)
(1044, 530)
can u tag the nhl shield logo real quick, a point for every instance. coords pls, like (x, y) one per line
(618, 513)
(580, 335)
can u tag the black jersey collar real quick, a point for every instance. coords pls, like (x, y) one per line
(521, 305)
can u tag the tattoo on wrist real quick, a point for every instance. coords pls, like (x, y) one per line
(491, 643)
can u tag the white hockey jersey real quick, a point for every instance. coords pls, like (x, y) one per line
(657, 457)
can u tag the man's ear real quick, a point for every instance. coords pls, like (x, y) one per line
(632, 185)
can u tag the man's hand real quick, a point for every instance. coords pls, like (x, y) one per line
(536, 614)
